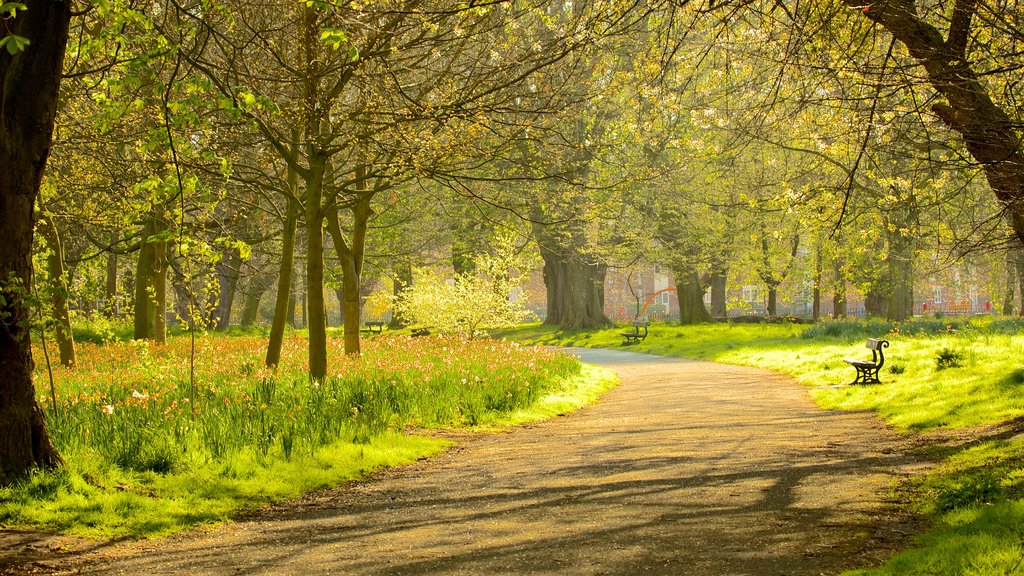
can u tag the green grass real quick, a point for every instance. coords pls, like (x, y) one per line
(148, 454)
(975, 497)
(914, 394)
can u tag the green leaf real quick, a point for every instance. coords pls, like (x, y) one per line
(14, 44)
(10, 9)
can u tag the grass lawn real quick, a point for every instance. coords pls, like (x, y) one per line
(940, 374)
(148, 453)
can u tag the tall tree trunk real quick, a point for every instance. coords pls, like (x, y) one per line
(29, 87)
(111, 309)
(58, 289)
(690, 293)
(1011, 283)
(901, 273)
(151, 282)
(990, 135)
(284, 277)
(316, 308)
(876, 303)
(574, 282)
(575, 290)
(838, 290)
(816, 294)
(719, 306)
(773, 300)
(1020, 281)
(258, 285)
(403, 280)
(351, 257)
(228, 269)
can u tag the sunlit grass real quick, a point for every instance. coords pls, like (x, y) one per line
(149, 453)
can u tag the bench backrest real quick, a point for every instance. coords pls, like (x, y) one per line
(641, 323)
(876, 345)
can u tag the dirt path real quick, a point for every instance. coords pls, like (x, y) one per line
(686, 468)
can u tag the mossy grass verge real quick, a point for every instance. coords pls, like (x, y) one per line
(149, 454)
(975, 497)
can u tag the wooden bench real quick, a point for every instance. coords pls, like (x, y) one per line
(375, 327)
(418, 332)
(636, 335)
(867, 370)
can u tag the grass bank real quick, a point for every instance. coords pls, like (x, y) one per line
(149, 451)
(940, 374)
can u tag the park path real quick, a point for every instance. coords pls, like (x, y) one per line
(687, 468)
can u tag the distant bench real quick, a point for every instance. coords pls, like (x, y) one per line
(867, 370)
(636, 335)
(374, 327)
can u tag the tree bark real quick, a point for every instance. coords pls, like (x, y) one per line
(351, 257)
(838, 290)
(253, 295)
(403, 280)
(575, 290)
(284, 277)
(29, 88)
(816, 293)
(110, 303)
(151, 282)
(1011, 283)
(58, 289)
(901, 274)
(989, 133)
(719, 306)
(690, 293)
(876, 303)
(773, 300)
(227, 282)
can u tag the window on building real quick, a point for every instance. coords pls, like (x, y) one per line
(751, 294)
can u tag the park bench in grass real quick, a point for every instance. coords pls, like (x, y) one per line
(423, 331)
(867, 370)
(636, 335)
(374, 327)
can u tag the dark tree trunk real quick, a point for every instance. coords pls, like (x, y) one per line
(575, 290)
(690, 293)
(111, 309)
(151, 283)
(59, 283)
(816, 293)
(1020, 281)
(876, 303)
(227, 282)
(29, 87)
(839, 291)
(284, 300)
(1011, 283)
(253, 295)
(901, 273)
(403, 280)
(989, 133)
(719, 308)
(351, 257)
(773, 300)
